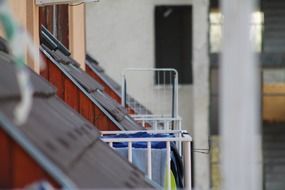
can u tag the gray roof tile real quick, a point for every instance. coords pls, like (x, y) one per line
(65, 138)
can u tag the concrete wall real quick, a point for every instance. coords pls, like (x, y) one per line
(120, 34)
(201, 92)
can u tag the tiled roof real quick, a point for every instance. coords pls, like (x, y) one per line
(94, 65)
(9, 86)
(87, 84)
(64, 137)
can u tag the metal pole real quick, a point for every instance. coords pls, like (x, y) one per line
(130, 152)
(174, 113)
(149, 164)
(168, 166)
(54, 24)
(123, 91)
(187, 165)
(201, 93)
(239, 99)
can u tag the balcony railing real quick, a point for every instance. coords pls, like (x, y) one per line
(171, 137)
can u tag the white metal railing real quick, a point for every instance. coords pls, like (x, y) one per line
(154, 122)
(159, 122)
(178, 136)
(158, 91)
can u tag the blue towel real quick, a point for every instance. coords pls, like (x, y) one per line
(158, 164)
(139, 149)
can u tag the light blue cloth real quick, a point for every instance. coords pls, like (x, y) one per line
(139, 159)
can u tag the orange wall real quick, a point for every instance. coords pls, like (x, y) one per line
(274, 102)
(27, 14)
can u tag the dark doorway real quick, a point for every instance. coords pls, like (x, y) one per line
(173, 40)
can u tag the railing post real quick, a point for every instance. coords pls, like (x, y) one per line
(123, 91)
(130, 153)
(155, 125)
(168, 168)
(179, 144)
(174, 97)
(149, 164)
(187, 165)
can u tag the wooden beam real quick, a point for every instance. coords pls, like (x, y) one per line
(77, 33)
(26, 14)
(33, 28)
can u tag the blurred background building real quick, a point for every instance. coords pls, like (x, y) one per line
(139, 34)
(185, 35)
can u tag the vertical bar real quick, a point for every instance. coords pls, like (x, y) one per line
(158, 74)
(171, 89)
(173, 97)
(132, 102)
(130, 153)
(187, 165)
(123, 90)
(240, 99)
(164, 93)
(168, 168)
(155, 124)
(54, 20)
(159, 106)
(143, 123)
(164, 81)
(179, 136)
(111, 144)
(149, 164)
(176, 95)
(166, 127)
(201, 93)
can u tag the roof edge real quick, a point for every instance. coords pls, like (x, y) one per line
(35, 153)
(89, 95)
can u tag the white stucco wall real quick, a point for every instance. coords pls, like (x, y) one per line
(120, 34)
(201, 93)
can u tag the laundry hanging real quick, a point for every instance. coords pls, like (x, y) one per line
(158, 156)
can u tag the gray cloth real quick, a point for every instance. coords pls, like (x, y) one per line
(158, 165)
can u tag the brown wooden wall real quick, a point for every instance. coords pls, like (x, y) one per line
(17, 168)
(107, 89)
(75, 98)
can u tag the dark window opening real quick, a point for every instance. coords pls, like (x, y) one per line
(173, 41)
(55, 19)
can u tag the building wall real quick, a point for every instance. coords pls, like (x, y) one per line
(120, 34)
(76, 26)
(26, 13)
